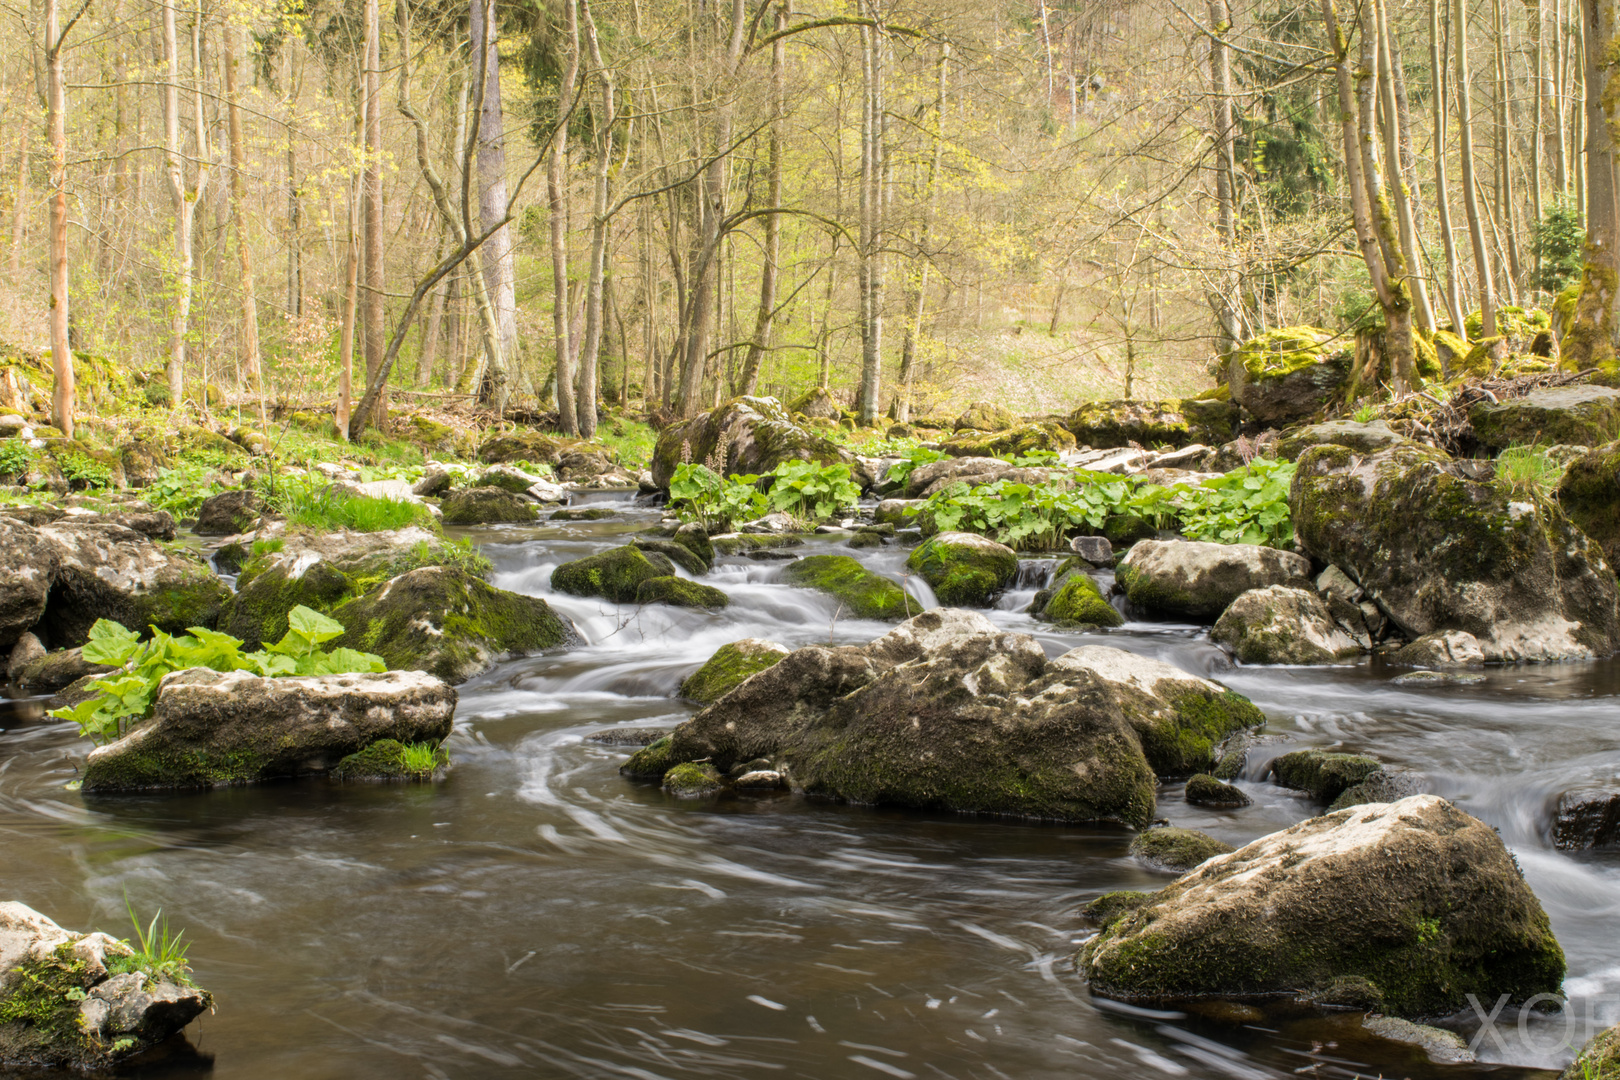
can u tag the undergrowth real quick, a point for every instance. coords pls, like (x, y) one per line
(1528, 472)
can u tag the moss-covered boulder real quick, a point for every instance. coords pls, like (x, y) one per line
(651, 762)
(1074, 599)
(507, 478)
(1599, 1059)
(614, 575)
(390, 759)
(212, 729)
(984, 416)
(1283, 376)
(945, 712)
(925, 480)
(680, 592)
(1440, 545)
(445, 621)
(679, 554)
(1589, 495)
(228, 513)
(1564, 415)
(1364, 438)
(1043, 436)
(1177, 850)
(753, 435)
(861, 593)
(1178, 718)
(816, 404)
(1283, 625)
(321, 571)
(690, 780)
(729, 667)
(1323, 774)
(1205, 790)
(583, 513)
(963, 569)
(1198, 580)
(1409, 909)
(570, 459)
(1108, 424)
(109, 572)
(486, 506)
(84, 1002)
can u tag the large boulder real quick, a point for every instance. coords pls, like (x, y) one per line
(228, 513)
(1024, 439)
(964, 569)
(614, 575)
(445, 621)
(486, 506)
(321, 571)
(1437, 545)
(1283, 376)
(211, 729)
(31, 562)
(1589, 495)
(1409, 908)
(570, 459)
(81, 1001)
(1559, 415)
(1283, 625)
(816, 404)
(110, 572)
(944, 712)
(861, 594)
(1197, 580)
(1178, 718)
(752, 435)
(1364, 438)
(925, 480)
(676, 591)
(729, 667)
(984, 416)
(1109, 424)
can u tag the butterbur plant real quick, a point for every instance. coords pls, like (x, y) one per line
(126, 696)
(810, 491)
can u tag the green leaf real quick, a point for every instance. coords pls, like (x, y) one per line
(313, 625)
(110, 643)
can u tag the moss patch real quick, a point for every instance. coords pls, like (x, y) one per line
(388, 759)
(651, 762)
(729, 667)
(680, 592)
(1178, 850)
(692, 781)
(863, 594)
(1323, 774)
(615, 575)
(1075, 599)
(964, 570)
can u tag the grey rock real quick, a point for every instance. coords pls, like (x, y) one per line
(1198, 580)
(1283, 625)
(1096, 550)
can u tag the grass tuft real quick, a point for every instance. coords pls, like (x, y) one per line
(1528, 472)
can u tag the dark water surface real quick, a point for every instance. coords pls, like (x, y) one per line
(538, 915)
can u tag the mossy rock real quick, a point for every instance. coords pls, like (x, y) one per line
(1287, 374)
(1074, 599)
(651, 762)
(1013, 442)
(729, 667)
(983, 416)
(1563, 415)
(754, 435)
(816, 404)
(431, 435)
(1105, 425)
(507, 478)
(695, 538)
(386, 759)
(1205, 790)
(1449, 351)
(523, 446)
(1323, 774)
(445, 621)
(583, 513)
(861, 593)
(1177, 850)
(209, 445)
(963, 569)
(743, 543)
(614, 575)
(692, 781)
(1598, 1059)
(1589, 495)
(679, 554)
(486, 506)
(1110, 907)
(1512, 321)
(257, 611)
(680, 592)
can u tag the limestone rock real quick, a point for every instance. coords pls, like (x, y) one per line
(211, 729)
(1111, 424)
(925, 480)
(1285, 375)
(228, 513)
(1282, 625)
(1438, 545)
(1570, 415)
(1011, 442)
(53, 671)
(486, 506)
(1589, 494)
(1198, 580)
(1405, 907)
(1096, 550)
(1441, 649)
(1363, 438)
(31, 565)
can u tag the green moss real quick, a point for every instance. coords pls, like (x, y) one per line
(1110, 907)
(1177, 849)
(1589, 495)
(1181, 741)
(390, 759)
(266, 592)
(692, 781)
(861, 593)
(651, 762)
(1016, 441)
(1076, 601)
(1598, 1059)
(964, 571)
(44, 997)
(486, 506)
(615, 575)
(680, 592)
(1323, 774)
(1281, 351)
(1206, 790)
(679, 554)
(728, 668)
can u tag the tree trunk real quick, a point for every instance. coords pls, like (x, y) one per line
(766, 316)
(63, 398)
(1465, 132)
(917, 289)
(1394, 111)
(1220, 69)
(184, 200)
(1589, 342)
(872, 214)
(557, 203)
(373, 306)
(495, 256)
(591, 349)
(1448, 237)
(1535, 129)
(351, 305)
(244, 254)
(1506, 200)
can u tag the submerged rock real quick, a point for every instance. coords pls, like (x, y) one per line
(1283, 625)
(729, 667)
(1441, 649)
(1560, 415)
(444, 621)
(1074, 599)
(964, 570)
(1586, 818)
(81, 1001)
(1443, 1047)
(756, 436)
(1405, 907)
(861, 593)
(692, 781)
(486, 506)
(1205, 790)
(614, 575)
(1176, 850)
(680, 592)
(211, 729)
(1438, 545)
(110, 572)
(1199, 580)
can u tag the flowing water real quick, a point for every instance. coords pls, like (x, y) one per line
(538, 915)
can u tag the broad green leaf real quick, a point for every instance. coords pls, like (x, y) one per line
(110, 643)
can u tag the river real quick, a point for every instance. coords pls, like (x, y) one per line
(538, 915)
